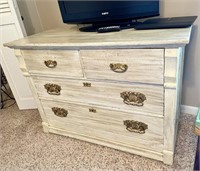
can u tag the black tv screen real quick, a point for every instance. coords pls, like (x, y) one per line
(105, 12)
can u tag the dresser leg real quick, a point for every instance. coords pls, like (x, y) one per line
(45, 127)
(168, 157)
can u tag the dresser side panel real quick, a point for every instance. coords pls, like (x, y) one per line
(173, 70)
(25, 72)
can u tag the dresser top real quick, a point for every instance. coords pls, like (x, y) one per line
(72, 38)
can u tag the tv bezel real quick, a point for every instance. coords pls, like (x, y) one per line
(124, 21)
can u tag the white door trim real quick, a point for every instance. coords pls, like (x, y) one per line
(12, 28)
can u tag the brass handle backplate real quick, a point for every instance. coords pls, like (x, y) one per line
(86, 84)
(135, 126)
(133, 98)
(59, 111)
(50, 63)
(52, 89)
(119, 68)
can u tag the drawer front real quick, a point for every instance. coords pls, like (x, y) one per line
(134, 65)
(118, 96)
(106, 124)
(59, 63)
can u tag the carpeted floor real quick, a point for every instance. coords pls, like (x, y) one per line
(25, 147)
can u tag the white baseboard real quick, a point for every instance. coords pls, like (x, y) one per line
(26, 103)
(189, 109)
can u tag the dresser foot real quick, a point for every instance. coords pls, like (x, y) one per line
(45, 127)
(168, 157)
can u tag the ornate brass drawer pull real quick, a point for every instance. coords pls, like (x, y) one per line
(133, 98)
(59, 111)
(119, 68)
(50, 63)
(92, 110)
(135, 126)
(85, 84)
(52, 89)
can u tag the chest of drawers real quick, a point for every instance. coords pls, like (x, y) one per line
(120, 90)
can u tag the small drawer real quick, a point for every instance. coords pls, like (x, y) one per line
(49, 62)
(134, 65)
(134, 98)
(106, 125)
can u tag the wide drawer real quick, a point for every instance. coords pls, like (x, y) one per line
(113, 95)
(106, 124)
(134, 65)
(52, 62)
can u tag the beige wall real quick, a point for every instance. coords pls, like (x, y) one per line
(49, 13)
(30, 13)
(50, 18)
(191, 79)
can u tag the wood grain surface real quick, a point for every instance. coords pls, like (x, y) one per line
(68, 62)
(104, 126)
(72, 38)
(144, 65)
(104, 94)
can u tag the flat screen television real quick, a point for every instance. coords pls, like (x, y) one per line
(107, 13)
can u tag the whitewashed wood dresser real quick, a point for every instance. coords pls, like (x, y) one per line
(119, 89)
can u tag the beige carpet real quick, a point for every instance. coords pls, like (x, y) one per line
(25, 147)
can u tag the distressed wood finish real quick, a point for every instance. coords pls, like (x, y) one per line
(102, 125)
(72, 38)
(25, 72)
(88, 91)
(104, 94)
(111, 144)
(68, 62)
(174, 70)
(144, 65)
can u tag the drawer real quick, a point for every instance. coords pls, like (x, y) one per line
(106, 125)
(113, 95)
(59, 63)
(134, 65)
